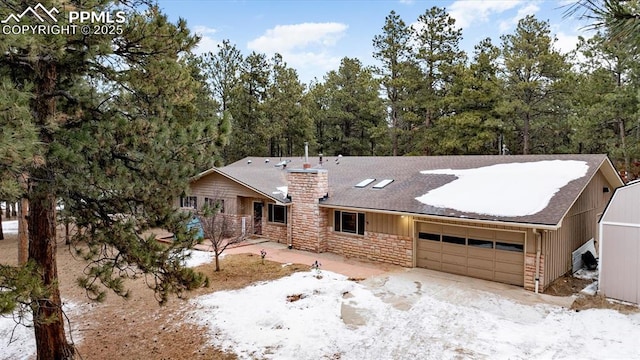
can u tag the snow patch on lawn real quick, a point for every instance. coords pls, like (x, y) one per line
(18, 342)
(10, 227)
(515, 189)
(195, 258)
(395, 317)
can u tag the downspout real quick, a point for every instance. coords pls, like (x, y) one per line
(538, 250)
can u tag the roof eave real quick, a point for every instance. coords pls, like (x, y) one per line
(440, 217)
(222, 173)
(609, 172)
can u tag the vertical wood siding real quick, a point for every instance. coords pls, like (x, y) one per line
(238, 199)
(388, 224)
(578, 227)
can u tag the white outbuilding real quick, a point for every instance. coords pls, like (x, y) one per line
(620, 245)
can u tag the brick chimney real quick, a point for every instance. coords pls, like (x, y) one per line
(306, 187)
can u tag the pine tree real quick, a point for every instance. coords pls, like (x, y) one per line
(290, 125)
(607, 101)
(353, 114)
(119, 131)
(247, 108)
(440, 60)
(475, 126)
(535, 83)
(393, 50)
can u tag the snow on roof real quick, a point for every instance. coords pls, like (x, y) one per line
(514, 189)
(283, 190)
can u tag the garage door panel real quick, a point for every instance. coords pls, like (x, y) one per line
(454, 259)
(480, 263)
(426, 255)
(454, 230)
(481, 253)
(487, 234)
(478, 252)
(509, 267)
(510, 257)
(429, 245)
(454, 249)
(454, 269)
(431, 265)
(481, 273)
(509, 236)
(513, 279)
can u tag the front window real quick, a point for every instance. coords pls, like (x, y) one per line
(277, 214)
(217, 204)
(189, 202)
(349, 222)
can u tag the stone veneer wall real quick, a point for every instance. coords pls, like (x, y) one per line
(530, 272)
(306, 187)
(387, 248)
(274, 232)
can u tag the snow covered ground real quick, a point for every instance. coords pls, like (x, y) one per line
(397, 316)
(18, 343)
(10, 227)
(400, 316)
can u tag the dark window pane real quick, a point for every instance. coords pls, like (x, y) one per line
(361, 223)
(277, 213)
(336, 220)
(270, 215)
(487, 244)
(428, 236)
(453, 239)
(509, 247)
(189, 201)
(349, 222)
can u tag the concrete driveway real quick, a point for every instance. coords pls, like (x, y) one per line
(449, 287)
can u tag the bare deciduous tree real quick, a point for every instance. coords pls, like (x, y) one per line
(220, 229)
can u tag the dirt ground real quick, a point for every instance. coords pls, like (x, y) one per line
(569, 285)
(138, 328)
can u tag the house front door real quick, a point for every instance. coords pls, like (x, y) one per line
(257, 218)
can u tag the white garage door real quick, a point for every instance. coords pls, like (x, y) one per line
(483, 253)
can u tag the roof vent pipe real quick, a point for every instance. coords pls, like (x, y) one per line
(306, 164)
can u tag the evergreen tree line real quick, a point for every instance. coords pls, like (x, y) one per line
(426, 96)
(113, 126)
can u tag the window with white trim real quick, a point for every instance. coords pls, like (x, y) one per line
(189, 202)
(348, 222)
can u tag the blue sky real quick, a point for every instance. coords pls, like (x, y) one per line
(313, 35)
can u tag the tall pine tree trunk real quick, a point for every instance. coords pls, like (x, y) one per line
(525, 135)
(23, 225)
(51, 342)
(23, 231)
(1, 231)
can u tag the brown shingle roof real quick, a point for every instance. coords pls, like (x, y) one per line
(399, 196)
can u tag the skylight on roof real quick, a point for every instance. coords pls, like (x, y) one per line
(382, 183)
(364, 183)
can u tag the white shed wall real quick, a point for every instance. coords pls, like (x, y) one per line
(620, 246)
(620, 262)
